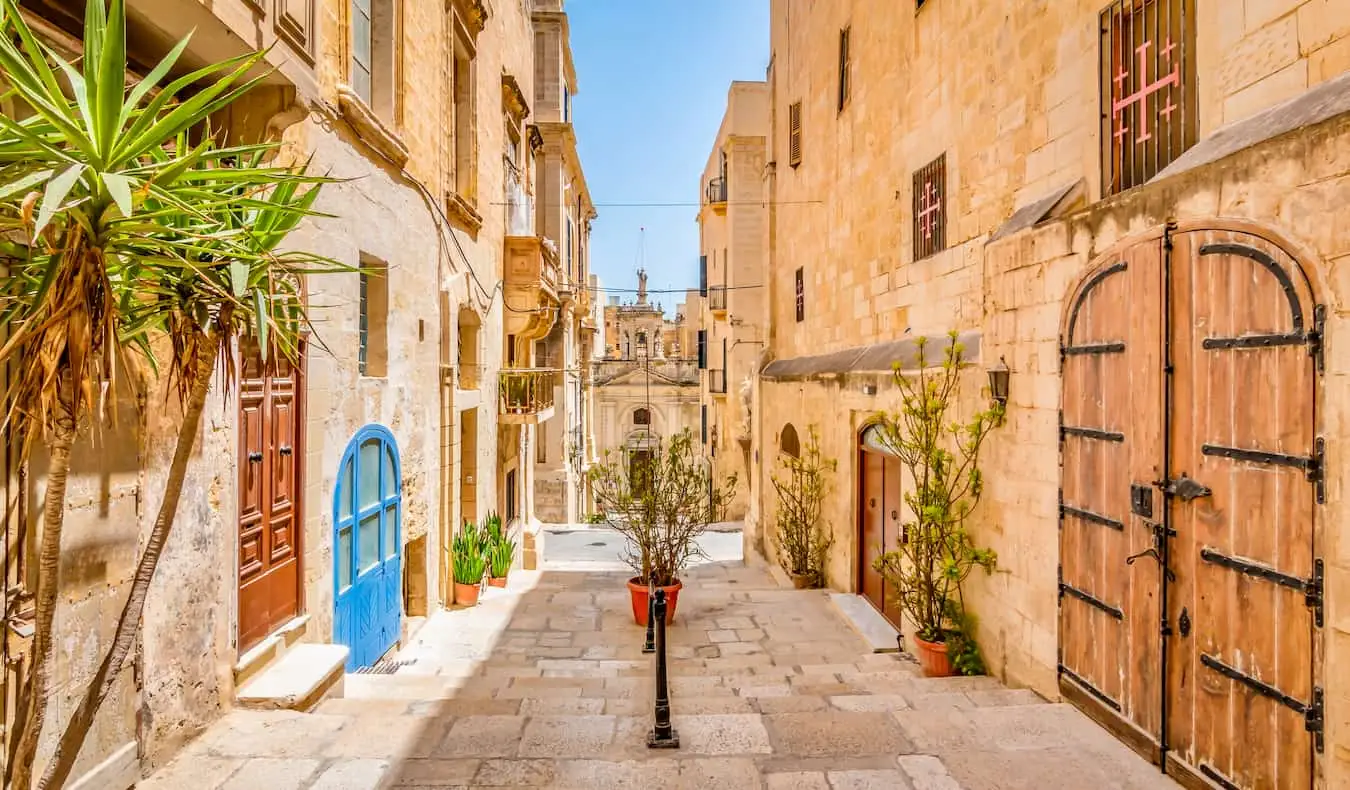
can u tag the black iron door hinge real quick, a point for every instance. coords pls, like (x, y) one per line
(1314, 719)
(1317, 470)
(1317, 336)
(1312, 593)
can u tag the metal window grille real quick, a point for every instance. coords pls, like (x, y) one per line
(843, 67)
(930, 208)
(795, 134)
(363, 325)
(801, 294)
(642, 417)
(1148, 92)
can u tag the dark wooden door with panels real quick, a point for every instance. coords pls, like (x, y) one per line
(1190, 584)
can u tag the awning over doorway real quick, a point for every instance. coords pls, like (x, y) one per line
(874, 358)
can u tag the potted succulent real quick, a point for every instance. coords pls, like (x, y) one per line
(803, 540)
(661, 501)
(940, 455)
(468, 563)
(500, 548)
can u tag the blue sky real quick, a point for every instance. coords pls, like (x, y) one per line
(653, 78)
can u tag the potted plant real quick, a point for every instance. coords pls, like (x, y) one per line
(941, 456)
(661, 500)
(500, 548)
(802, 539)
(469, 563)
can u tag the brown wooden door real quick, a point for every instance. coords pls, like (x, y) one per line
(891, 528)
(270, 424)
(1240, 663)
(1189, 365)
(1111, 435)
(871, 500)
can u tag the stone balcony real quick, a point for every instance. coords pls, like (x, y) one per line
(525, 395)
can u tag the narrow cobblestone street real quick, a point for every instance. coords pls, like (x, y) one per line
(545, 685)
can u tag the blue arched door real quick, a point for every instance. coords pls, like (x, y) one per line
(368, 547)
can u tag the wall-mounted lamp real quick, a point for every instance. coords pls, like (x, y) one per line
(998, 382)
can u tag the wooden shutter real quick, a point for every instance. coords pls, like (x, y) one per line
(702, 349)
(801, 294)
(703, 275)
(795, 134)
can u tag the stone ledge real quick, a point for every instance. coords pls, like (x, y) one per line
(879, 634)
(299, 680)
(462, 212)
(370, 128)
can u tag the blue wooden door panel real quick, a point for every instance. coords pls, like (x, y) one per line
(367, 547)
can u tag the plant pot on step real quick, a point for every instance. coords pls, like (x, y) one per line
(933, 658)
(496, 581)
(803, 581)
(466, 594)
(638, 592)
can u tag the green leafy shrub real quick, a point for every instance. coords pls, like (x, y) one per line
(469, 550)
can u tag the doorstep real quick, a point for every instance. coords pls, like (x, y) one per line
(299, 680)
(876, 630)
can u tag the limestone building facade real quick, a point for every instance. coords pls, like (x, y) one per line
(354, 467)
(1135, 206)
(734, 306)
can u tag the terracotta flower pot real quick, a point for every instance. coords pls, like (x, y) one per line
(496, 581)
(802, 581)
(638, 592)
(466, 594)
(933, 658)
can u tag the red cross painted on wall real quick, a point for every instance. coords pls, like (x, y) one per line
(1140, 97)
(930, 209)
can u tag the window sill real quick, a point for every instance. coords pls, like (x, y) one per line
(462, 212)
(370, 128)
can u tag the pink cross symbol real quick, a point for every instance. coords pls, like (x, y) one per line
(1140, 96)
(929, 208)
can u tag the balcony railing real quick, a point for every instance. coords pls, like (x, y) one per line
(717, 382)
(717, 298)
(525, 392)
(717, 190)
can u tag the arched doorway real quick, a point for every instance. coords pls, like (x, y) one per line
(880, 526)
(368, 547)
(1190, 592)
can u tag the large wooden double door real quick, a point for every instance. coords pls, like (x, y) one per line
(270, 426)
(1190, 590)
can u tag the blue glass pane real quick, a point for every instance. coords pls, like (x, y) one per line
(392, 485)
(344, 558)
(368, 474)
(390, 531)
(344, 487)
(369, 530)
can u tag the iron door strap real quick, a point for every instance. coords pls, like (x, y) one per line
(1312, 712)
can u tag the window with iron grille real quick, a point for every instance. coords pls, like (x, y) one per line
(801, 294)
(930, 208)
(1148, 92)
(795, 134)
(844, 66)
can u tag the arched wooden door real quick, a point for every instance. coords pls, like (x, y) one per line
(1190, 592)
(368, 547)
(880, 522)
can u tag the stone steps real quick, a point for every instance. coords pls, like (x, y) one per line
(298, 680)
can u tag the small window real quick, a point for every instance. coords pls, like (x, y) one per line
(702, 349)
(788, 444)
(642, 417)
(373, 55)
(930, 208)
(795, 134)
(541, 443)
(1148, 93)
(703, 423)
(844, 66)
(703, 275)
(463, 123)
(801, 294)
(372, 322)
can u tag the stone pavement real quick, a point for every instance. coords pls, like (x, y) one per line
(544, 685)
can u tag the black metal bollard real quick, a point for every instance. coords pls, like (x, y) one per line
(650, 645)
(663, 736)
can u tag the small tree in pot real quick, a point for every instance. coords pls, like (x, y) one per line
(941, 455)
(802, 539)
(661, 501)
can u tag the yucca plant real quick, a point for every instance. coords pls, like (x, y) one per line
(123, 221)
(470, 554)
(492, 527)
(501, 554)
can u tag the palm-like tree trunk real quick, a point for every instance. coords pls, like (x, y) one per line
(33, 714)
(128, 624)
